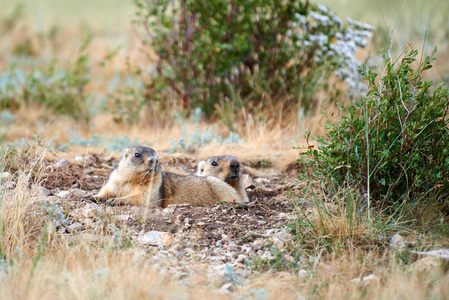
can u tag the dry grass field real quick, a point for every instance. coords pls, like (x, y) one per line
(288, 243)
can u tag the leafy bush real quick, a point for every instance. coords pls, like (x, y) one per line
(394, 142)
(250, 53)
(62, 90)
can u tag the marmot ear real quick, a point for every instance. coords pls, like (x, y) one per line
(200, 168)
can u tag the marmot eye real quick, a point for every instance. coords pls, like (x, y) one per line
(214, 163)
(137, 155)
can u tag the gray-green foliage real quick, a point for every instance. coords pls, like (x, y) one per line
(246, 53)
(189, 142)
(63, 90)
(114, 143)
(394, 142)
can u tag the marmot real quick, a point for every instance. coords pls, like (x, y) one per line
(139, 180)
(226, 168)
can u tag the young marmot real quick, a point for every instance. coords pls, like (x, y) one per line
(226, 168)
(139, 180)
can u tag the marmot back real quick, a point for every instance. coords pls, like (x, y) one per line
(226, 168)
(138, 180)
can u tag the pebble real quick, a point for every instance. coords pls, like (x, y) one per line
(425, 264)
(55, 199)
(61, 164)
(79, 159)
(5, 175)
(364, 281)
(122, 217)
(43, 191)
(157, 238)
(261, 180)
(248, 181)
(302, 273)
(75, 227)
(397, 243)
(63, 194)
(227, 288)
(441, 253)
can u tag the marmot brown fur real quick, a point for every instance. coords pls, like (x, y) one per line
(139, 180)
(226, 168)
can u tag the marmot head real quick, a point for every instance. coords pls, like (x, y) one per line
(224, 167)
(139, 159)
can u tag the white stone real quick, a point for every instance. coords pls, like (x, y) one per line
(79, 159)
(43, 191)
(61, 164)
(441, 253)
(248, 181)
(227, 288)
(5, 175)
(63, 194)
(75, 227)
(122, 217)
(397, 243)
(364, 281)
(157, 238)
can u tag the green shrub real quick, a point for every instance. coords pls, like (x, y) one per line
(394, 142)
(62, 90)
(251, 53)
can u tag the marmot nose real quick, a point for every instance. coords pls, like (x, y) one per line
(235, 165)
(152, 161)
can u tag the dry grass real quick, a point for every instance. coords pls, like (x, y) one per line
(38, 263)
(343, 244)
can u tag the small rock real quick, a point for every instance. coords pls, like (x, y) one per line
(364, 281)
(267, 255)
(186, 223)
(5, 175)
(248, 181)
(157, 238)
(278, 243)
(61, 164)
(61, 229)
(63, 194)
(43, 191)
(397, 243)
(261, 180)
(247, 249)
(75, 227)
(92, 210)
(232, 244)
(241, 259)
(227, 288)
(79, 159)
(243, 272)
(441, 253)
(302, 273)
(175, 249)
(258, 244)
(169, 210)
(122, 217)
(55, 199)
(425, 264)
(72, 193)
